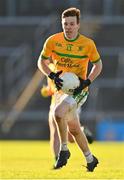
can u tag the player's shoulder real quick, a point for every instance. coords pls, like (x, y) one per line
(55, 36)
(86, 39)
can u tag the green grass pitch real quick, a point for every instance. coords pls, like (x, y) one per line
(33, 160)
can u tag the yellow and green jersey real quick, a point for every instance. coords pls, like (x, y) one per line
(70, 55)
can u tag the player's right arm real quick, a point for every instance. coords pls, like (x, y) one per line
(43, 66)
(44, 58)
(45, 55)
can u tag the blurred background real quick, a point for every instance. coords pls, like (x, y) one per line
(24, 26)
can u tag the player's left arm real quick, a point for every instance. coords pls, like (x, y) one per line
(95, 71)
(96, 61)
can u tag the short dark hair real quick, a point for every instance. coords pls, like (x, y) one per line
(72, 12)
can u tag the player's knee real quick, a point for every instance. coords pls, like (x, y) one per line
(58, 114)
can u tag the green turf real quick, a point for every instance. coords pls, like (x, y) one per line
(33, 160)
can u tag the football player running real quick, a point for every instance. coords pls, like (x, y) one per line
(70, 51)
(46, 91)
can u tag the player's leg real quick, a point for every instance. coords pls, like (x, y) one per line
(60, 113)
(70, 138)
(54, 137)
(78, 134)
(81, 140)
(87, 133)
(85, 129)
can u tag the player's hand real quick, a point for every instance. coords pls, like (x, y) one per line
(83, 84)
(55, 77)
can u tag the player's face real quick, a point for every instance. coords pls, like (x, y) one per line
(70, 27)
